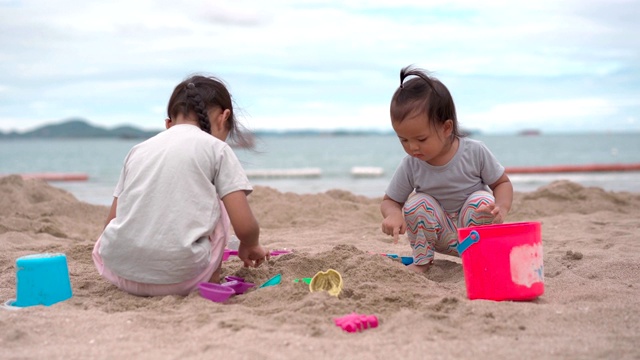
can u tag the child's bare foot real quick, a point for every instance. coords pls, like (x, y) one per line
(420, 269)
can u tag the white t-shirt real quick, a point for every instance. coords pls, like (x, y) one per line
(168, 205)
(472, 168)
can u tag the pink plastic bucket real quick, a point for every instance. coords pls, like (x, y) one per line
(502, 262)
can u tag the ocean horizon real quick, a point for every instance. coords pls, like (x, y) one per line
(330, 161)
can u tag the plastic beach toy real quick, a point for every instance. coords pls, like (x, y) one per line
(273, 281)
(237, 284)
(304, 280)
(502, 261)
(215, 292)
(233, 285)
(329, 281)
(406, 260)
(280, 252)
(356, 322)
(227, 253)
(42, 279)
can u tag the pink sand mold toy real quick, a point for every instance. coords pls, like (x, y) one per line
(356, 322)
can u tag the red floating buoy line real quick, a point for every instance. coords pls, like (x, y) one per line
(589, 168)
(53, 176)
(572, 168)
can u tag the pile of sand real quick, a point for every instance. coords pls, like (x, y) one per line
(590, 308)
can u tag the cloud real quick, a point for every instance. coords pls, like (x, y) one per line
(549, 114)
(325, 116)
(321, 63)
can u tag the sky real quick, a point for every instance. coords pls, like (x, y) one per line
(551, 65)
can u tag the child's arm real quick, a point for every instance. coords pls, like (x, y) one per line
(393, 223)
(503, 193)
(245, 227)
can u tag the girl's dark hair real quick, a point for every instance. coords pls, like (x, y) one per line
(423, 94)
(198, 94)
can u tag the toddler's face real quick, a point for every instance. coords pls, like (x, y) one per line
(423, 141)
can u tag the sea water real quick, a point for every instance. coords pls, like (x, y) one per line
(334, 156)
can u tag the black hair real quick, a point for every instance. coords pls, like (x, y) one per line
(198, 94)
(423, 94)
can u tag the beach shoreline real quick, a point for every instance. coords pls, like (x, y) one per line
(589, 309)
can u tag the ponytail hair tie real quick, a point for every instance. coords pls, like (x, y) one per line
(191, 85)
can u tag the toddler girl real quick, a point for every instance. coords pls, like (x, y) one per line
(446, 181)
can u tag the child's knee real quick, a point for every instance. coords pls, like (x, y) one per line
(480, 198)
(420, 205)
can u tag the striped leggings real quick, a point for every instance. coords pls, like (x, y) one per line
(430, 228)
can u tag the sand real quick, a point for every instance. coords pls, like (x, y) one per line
(590, 308)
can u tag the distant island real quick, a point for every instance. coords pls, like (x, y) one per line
(80, 128)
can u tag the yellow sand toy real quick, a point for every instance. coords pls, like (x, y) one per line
(329, 281)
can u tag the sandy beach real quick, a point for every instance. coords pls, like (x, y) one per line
(590, 308)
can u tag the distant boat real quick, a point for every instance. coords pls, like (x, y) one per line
(529, 132)
(588, 168)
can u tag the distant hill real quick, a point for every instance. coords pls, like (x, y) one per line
(79, 128)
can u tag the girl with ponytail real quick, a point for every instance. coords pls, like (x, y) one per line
(446, 180)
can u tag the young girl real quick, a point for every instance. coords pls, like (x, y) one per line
(167, 228)
(447, 181)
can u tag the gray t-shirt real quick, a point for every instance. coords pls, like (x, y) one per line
(168, 206)
(472, 168)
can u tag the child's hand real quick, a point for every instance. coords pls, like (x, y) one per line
(252, 256)
(394, 225)
(495, 211)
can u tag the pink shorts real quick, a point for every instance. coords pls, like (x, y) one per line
(218, 240)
